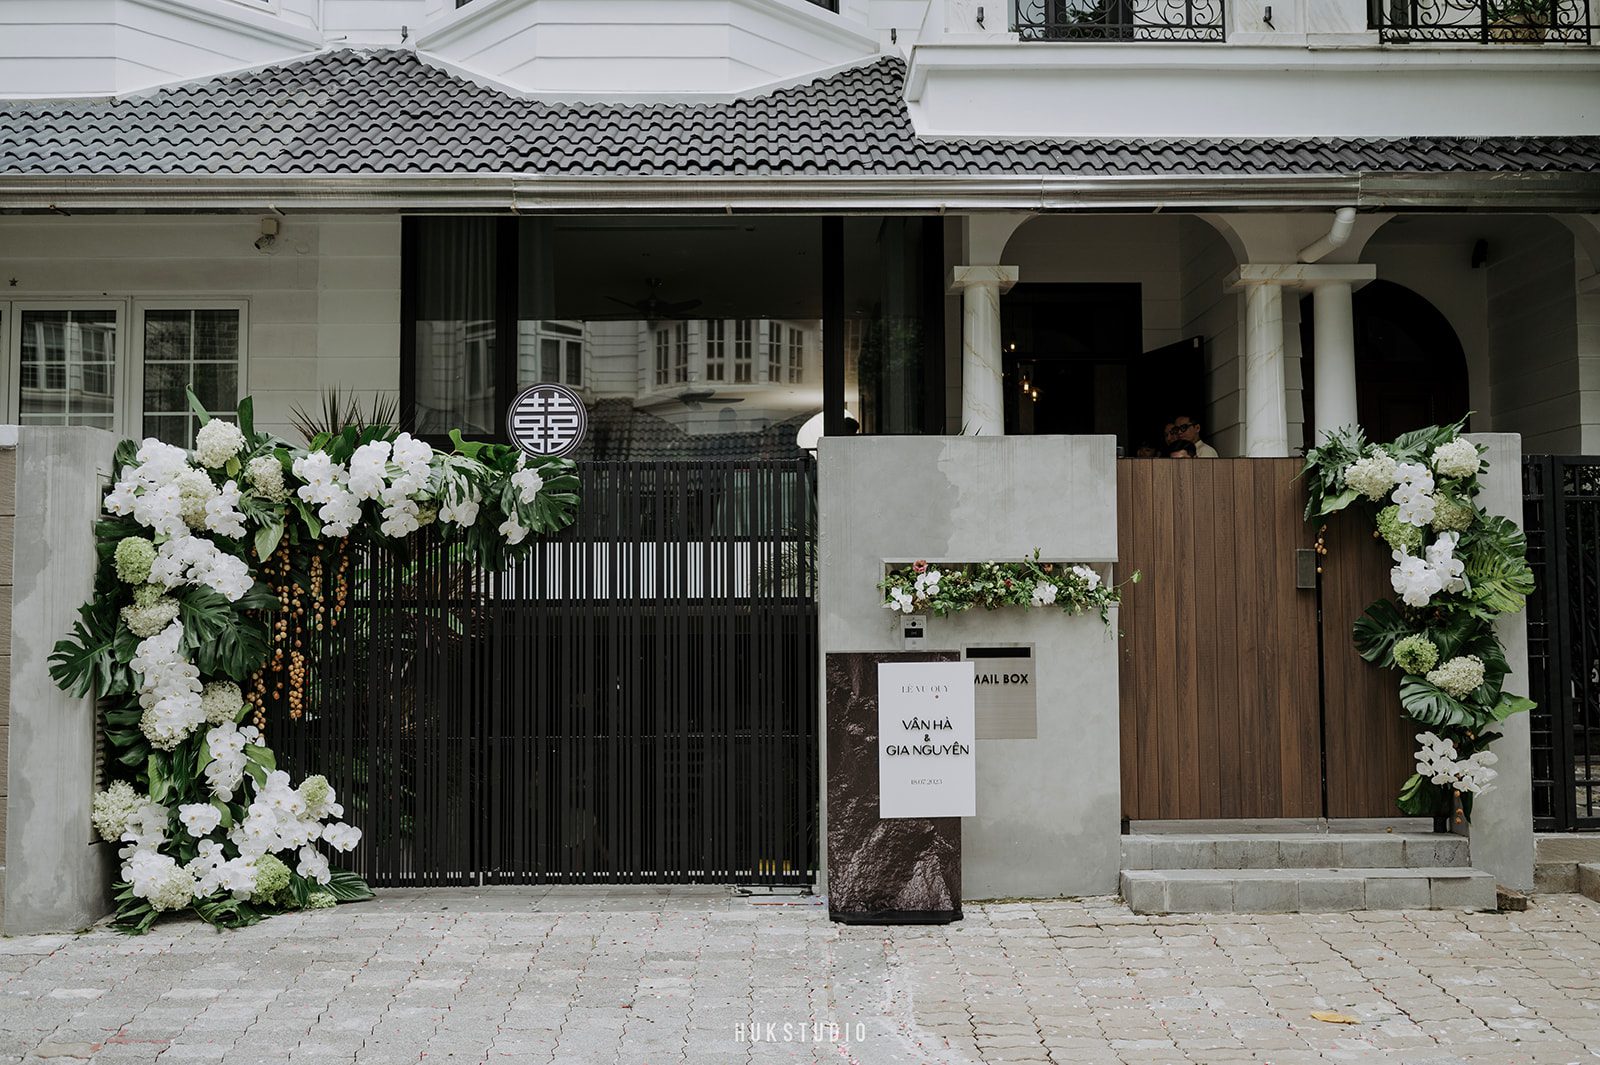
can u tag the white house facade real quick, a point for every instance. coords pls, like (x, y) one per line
(719, 220)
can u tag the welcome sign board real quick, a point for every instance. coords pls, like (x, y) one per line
(926, 731)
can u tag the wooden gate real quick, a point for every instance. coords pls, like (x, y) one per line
(1238, 699)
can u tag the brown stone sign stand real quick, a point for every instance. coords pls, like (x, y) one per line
(897, 871)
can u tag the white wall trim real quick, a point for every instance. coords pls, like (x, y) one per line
(641, 99)
(457, 23)
(928, 57)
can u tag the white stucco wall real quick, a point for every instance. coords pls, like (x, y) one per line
(323, 308)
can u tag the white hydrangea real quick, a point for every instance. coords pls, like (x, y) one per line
(195, 490)
(113, 808)
(1372, 476)
(199, 818)
(223, 515)
(264, 474)
(220, 700)
(341, 837)
(169, 689)
(899, 600)
(1458, 458)
(226, 744)
(158, 879)
(1088, 576)
(151, 618)
(1437, 761)
(1044, 593)
(1414, 494)
(216, 442)
(1460, 676)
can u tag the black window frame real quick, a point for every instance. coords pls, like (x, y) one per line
(506, 291)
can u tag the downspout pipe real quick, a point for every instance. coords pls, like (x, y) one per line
(1344, 223)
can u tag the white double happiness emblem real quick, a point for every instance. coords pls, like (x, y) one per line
(547, 419)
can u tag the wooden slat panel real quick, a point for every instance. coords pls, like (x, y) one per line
(1219, 666)
(1369, 744)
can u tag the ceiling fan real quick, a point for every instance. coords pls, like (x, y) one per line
(653, 307)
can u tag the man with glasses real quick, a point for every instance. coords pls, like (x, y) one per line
(1187, 429)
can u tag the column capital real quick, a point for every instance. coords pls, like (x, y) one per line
(964, 277)
(1300, 275)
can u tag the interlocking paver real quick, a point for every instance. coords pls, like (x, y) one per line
(663, 977)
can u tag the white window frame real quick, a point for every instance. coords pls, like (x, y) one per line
(124, 409)
(136, 377)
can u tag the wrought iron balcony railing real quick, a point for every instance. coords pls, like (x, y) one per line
(1486, 21)
(1120, 20)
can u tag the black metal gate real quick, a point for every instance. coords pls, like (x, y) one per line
(1561, 514)
(634, 702)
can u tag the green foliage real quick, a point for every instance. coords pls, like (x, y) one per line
(992, 585)
(231, 641)
(1493, 556)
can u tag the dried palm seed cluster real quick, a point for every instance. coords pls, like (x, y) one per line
(312, 596)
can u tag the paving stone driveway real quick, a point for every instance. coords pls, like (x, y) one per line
(651, 977)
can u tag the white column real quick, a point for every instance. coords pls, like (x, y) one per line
(982, 368)
(1334, 376)
(1266, 414)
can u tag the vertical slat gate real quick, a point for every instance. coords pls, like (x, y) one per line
(1218, 647)
(634, 701)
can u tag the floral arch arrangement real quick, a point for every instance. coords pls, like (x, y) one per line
(183, 638)
(1457, 569)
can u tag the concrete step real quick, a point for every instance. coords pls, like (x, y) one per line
(1306, 890)
(1294, 850)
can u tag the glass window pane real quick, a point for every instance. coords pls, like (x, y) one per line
(168, 336)
(453, 276)
(549, 359)
(172, 428)
(888, 345)
(68, 367)
(216, 334)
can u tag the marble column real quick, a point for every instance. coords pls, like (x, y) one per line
(982, 370)
(1334, 375)
(1266, 414)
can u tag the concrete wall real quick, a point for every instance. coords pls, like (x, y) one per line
(1502, 820)
(8, 525)
(1533, 339)
(323, 305)
(1048, 808)
(57, 878)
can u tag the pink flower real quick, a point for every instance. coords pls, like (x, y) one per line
(919, 566)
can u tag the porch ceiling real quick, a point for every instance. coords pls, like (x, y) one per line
(384, 130)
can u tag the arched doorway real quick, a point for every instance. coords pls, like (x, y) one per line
(1411, 370)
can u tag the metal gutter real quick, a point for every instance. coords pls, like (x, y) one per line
(806, 194)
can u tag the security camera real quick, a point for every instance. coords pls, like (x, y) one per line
(269, 234)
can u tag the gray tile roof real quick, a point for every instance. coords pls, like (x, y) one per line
(349, 112)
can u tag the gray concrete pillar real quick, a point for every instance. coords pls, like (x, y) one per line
(57, 878)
